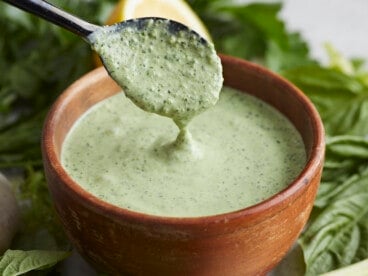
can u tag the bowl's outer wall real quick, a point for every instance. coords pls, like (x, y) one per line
(247, 242)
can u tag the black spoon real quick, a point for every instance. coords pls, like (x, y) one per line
(81, 27)
(96, 35)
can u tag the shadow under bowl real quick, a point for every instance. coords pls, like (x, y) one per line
(250, 241)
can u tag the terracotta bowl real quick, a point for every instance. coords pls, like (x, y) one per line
(250, 241)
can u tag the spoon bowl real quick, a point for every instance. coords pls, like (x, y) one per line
(163, 66)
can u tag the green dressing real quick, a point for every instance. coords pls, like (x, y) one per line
(245, 152)
(232, 155)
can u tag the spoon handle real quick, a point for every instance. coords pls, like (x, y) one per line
(55, 15)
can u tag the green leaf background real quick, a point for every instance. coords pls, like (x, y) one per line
(16, 262)
(38, 61)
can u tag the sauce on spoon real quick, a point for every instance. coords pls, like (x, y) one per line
(163, 67)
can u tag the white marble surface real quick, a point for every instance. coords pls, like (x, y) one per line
(343, 23)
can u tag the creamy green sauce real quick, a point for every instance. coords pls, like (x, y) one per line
(232, 155)
(173, 73)
(245, 152)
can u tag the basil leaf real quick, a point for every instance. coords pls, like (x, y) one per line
(342, 100)
(254, 32)
(335, 237)
(348, 146)
(17, 262)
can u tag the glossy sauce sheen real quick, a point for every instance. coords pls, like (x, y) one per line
(241, 151)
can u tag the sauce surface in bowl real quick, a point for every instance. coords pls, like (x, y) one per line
(244, 152)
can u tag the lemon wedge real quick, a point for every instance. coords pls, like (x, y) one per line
(177, 10)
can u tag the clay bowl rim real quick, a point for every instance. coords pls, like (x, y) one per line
(311, 168)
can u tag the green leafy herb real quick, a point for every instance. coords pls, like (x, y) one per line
(253, 32)
(337, 234)
(40, 226)
(341, 99)
(39, 60)
(16, 262)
